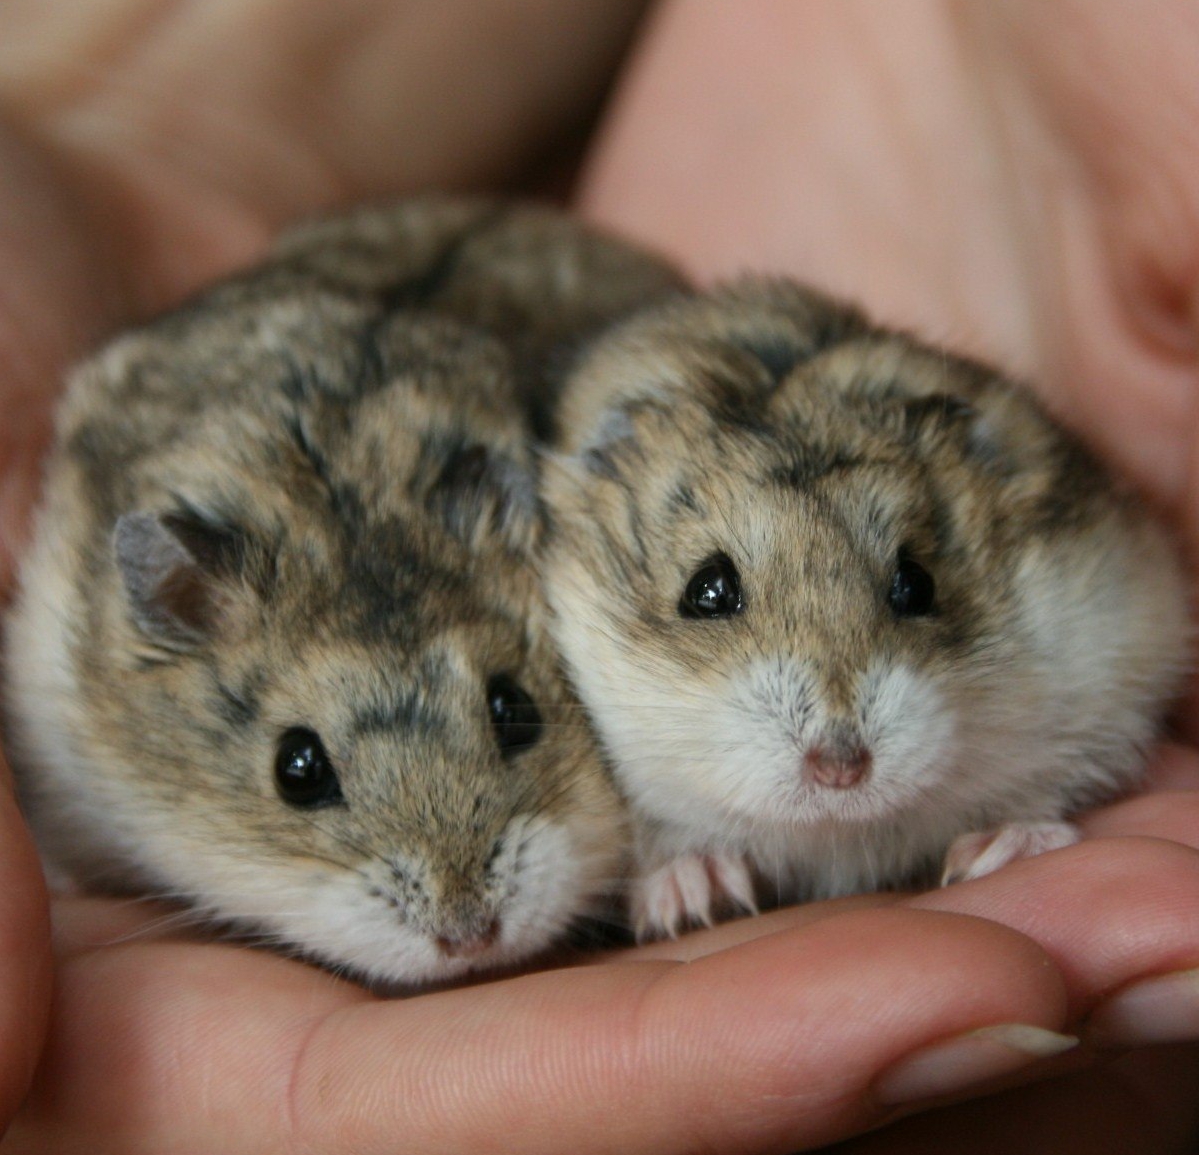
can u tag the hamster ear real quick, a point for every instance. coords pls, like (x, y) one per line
(615, 435)
(481, 491)
(174, 568)
(935, 412)
(928, 421)
(997, 434)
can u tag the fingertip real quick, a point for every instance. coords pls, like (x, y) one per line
(1106, 910)
(771, 1044)
(1168, 815)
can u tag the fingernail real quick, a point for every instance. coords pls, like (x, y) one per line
(1164, 1009)
(958, 1064)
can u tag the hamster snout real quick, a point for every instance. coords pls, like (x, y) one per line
(836, 600)
(837, 759)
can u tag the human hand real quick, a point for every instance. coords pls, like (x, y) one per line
(1142, 1100)
(28, 332)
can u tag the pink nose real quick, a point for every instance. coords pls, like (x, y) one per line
(469, 945)
(837, 771)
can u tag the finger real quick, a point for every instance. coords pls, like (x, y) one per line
(1167, 808)
(1106, 911)
(210, 127)
(56, 295)
(1171, 815)
(25, 963)
(782, 1043)
(1143, 1103)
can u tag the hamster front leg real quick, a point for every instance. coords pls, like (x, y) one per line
(671, 890)
(982, 852)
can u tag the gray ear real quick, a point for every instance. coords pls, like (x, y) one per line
(933, 413)
(614, 435)
(994, 438)
(481, 491)
(174, 568)
(778, 354)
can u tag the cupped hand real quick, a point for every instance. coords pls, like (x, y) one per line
(120, 191)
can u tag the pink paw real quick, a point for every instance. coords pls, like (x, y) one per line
(684, 891)
(974, 855)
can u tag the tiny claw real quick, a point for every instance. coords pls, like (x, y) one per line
(731, 876)
(980, 853)
(683, 892)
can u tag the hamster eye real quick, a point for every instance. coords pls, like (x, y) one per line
(304, 776)
(513, 715)
(714, 590)
(912, 589)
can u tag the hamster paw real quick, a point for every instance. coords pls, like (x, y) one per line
(982, 852)
(684, 891)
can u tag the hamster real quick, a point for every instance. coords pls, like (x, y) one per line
(846, 610)
(278, 648)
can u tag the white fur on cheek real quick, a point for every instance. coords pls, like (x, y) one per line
(679, 750)
(779, 714)
(552, 882)
(335, 919)
(910, 730)
(544, 883)
(634, 707)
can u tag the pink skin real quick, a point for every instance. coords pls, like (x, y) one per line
(1019, 177)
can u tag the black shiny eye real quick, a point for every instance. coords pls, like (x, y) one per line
(304, 776)
(714, 590)
(913, 590)
(513, 715)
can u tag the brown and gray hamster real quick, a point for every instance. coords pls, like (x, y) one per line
(278, 649)
(847, 610)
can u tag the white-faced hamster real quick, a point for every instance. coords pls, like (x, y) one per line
(844, 608)
(278, 649)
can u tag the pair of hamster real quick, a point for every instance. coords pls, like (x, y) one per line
(838, 605)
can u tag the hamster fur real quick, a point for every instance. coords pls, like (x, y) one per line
(285, 547)
(844, 608)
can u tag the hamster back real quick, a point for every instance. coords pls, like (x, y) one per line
(278, 648)
(841, 604)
